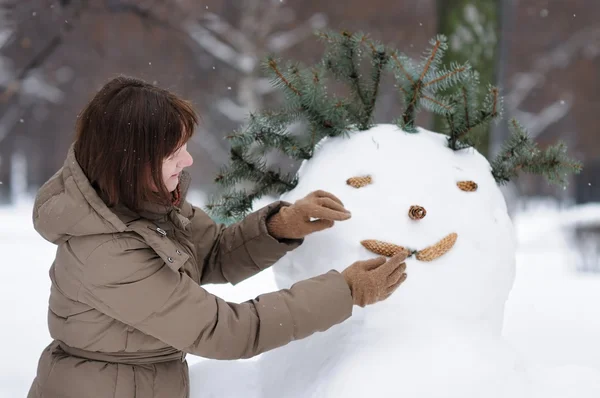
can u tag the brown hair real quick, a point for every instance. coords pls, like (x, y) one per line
(124, 134)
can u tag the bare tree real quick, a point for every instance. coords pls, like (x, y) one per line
(242, 47)
(583, 43)
(586, 43)
(8, 118)
(28, 38)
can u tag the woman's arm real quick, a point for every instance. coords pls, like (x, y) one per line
(234, 253)
(127, 281)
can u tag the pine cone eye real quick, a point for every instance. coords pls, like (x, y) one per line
(417, 212)
(468, 186)
(359, 182)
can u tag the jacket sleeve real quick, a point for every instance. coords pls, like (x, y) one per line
(127, 281)
(239, 251)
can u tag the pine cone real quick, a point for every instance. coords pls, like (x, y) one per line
(359, 182)
(439, 249)
(417, 212)
(382, 248)
(469, 186)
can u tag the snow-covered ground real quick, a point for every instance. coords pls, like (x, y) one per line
(552, 316)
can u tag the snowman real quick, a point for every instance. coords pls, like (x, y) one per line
(409, 189)
(437, 336)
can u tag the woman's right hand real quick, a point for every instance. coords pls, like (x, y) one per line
(375, 279)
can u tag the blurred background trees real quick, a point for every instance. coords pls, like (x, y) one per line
(54, 55)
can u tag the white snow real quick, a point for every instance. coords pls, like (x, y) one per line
(441, 328)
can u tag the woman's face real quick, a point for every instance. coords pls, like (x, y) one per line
(172, 166)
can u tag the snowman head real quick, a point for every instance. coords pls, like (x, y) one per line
(411, 191)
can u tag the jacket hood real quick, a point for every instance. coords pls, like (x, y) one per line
(67, 205)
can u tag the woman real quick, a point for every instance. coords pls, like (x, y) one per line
(126, 303)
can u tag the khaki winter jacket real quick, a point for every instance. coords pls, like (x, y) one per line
(126, 301)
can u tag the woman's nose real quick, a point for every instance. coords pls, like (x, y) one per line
(187, 160)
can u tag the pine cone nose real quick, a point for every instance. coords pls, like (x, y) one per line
(417, 212)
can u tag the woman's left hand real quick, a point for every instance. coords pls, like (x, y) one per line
(294, 221)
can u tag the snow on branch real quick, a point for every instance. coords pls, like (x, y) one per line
(8, 120)
(537, 123)
(234, 36)
(220, 50)
(241, 46)
(7, 24)
(232, 110)
(285, 40)
(585, 41)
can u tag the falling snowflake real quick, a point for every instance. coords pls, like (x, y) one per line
(544, 13)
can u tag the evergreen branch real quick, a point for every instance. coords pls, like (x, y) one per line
(469, 114)
(354, 73)
(409, 114)
(273, 65)
(456, 136)
(400, 66)
(495, 101)
(430, 60)
(380, 61)
(232, 206)
(425, 84)
(466, 108)
(243, 168)
(420, 88)
(447, 76)
(439, 103)
(520, 153)
(343, 61)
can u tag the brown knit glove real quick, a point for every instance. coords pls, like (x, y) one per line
(294, 221)
(375, 280)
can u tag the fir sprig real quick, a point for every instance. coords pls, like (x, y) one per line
(344, 57)
(521, 154)
(470, 116)
(265, 130)
(305, 90)
(420, 84)
(450, 91)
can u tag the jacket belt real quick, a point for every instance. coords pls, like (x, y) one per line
(167, 354)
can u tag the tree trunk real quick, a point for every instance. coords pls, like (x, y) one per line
(473, 31)
(6, 152)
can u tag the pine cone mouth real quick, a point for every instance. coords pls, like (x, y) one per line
(429, 253)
